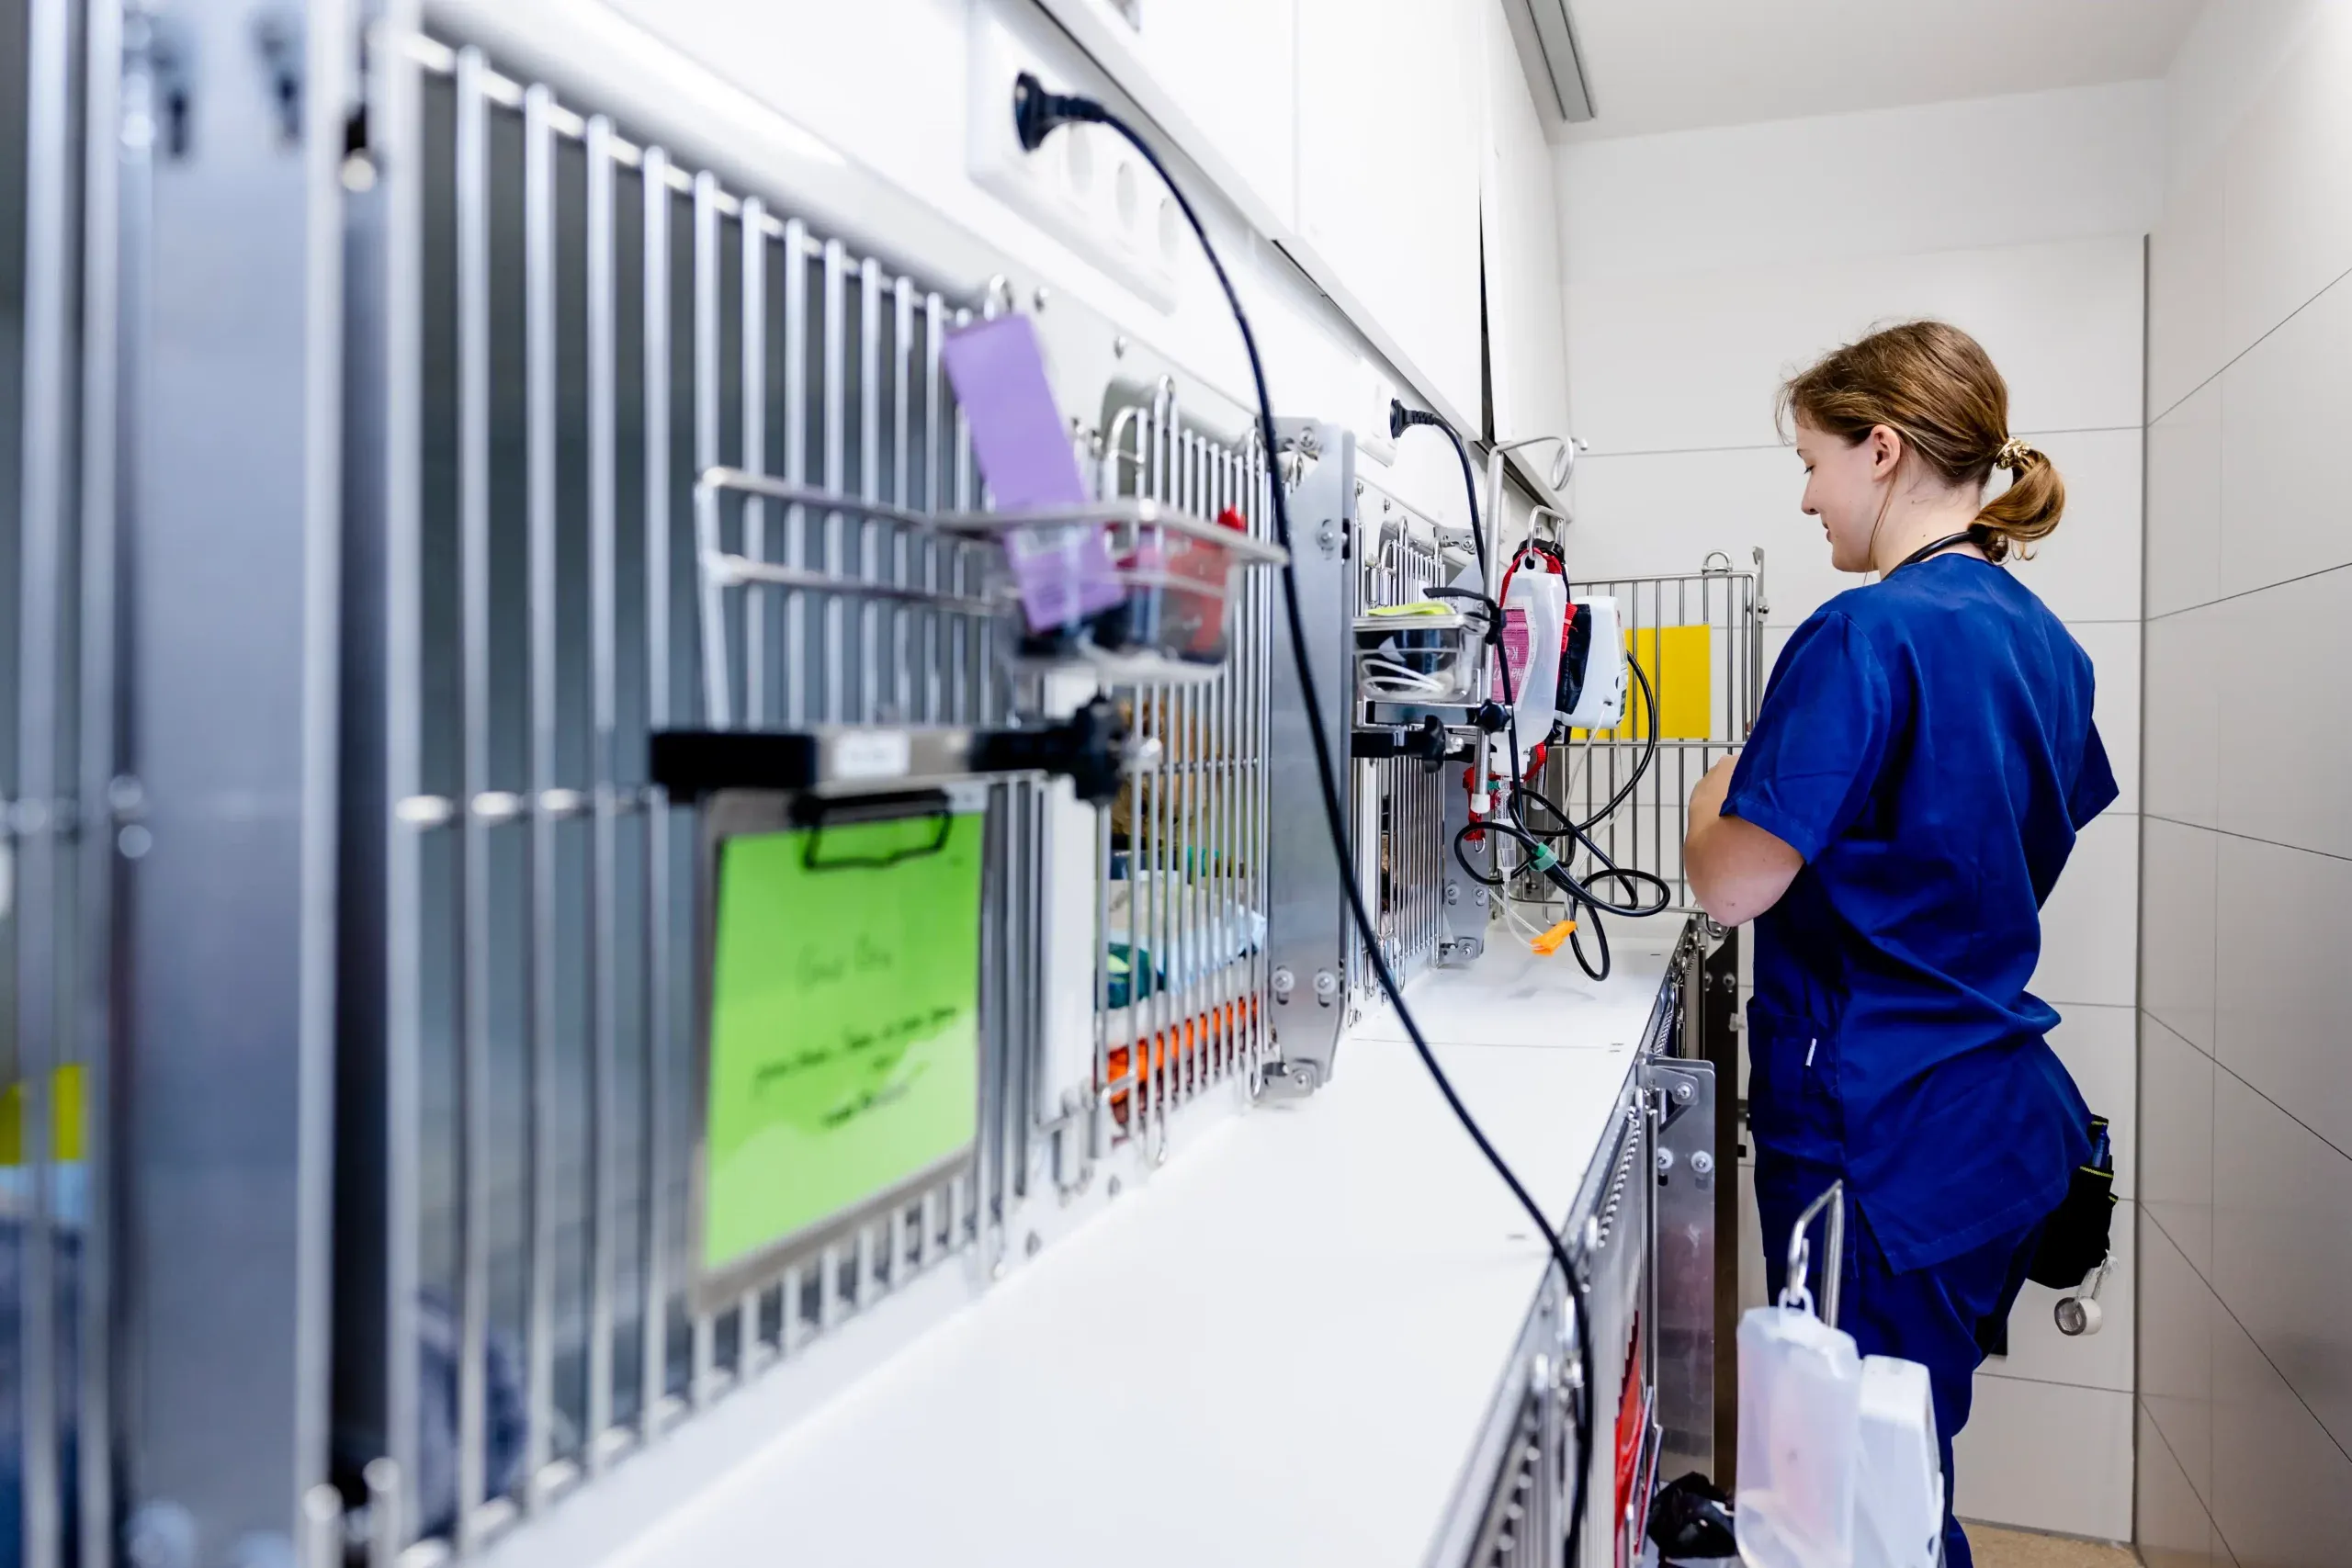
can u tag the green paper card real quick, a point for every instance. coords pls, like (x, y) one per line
(843, 1064)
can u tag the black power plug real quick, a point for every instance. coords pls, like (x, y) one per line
(1036, 113)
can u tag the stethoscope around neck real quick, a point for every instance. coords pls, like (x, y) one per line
(1965, 537)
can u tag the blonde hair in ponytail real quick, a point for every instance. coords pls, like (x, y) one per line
(1934, 386)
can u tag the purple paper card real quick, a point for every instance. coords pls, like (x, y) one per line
(1024, 449)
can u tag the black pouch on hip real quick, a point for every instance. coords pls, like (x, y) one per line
(2076, 1240)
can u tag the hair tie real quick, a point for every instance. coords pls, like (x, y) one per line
(2012, 454)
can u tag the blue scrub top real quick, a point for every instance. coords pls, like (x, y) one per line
(1925, 744)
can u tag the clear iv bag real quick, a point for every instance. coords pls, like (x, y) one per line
(1800, 1424)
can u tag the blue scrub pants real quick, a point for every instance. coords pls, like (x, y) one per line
(1929, 1315)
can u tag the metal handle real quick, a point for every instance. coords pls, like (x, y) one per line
(1793, 1291)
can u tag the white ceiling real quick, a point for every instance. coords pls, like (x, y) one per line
(1676, 64)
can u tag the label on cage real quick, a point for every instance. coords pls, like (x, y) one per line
(844, 1048)
(872, 754)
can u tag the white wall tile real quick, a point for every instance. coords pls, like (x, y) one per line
(2089, 570)
(2285, 406)
(2289, 227)
(2114, 650)
(2177, 1319)
(2180, 745)
(2170, 1525)
(2040, 1353)
(2100, 1048)
(2046, 1457)
(2186, 342)
(2177, 936)
(2175, 1176)
(2090, 926)
(1776, 638)
(2184, 510)
(1663, 512)
(2282, 1491)
(2284, 653)
(2283, 1249)
(1658, 513)
(1681, 362)
(2280, 1020)
(2220, 71)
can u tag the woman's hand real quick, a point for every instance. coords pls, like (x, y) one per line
(1736, 870)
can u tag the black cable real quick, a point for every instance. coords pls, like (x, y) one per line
(1511, 822)
(1649, 753)
(1036, 113)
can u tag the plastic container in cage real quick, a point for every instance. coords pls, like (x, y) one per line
(1133, 591)
(1178, 578)
(1422, 654)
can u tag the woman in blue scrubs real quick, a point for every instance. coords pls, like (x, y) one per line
(1922, 762)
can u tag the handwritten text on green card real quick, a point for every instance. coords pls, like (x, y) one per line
(844, 1024)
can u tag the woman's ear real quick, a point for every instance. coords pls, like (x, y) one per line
(1886, 451)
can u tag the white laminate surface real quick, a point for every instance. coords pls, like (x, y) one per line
(1277, 1352)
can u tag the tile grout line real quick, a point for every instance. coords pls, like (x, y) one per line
(2141, 1403)
(1987, 1371)
(2244, 838)
(2250, 593)
(2221, 369)
(2239, 1324)
(2341, 1153)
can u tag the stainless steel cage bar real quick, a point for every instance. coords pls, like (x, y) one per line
(62, 281)
(1399, 804)
(566, 312)
(1687, 629)
(1185, 849)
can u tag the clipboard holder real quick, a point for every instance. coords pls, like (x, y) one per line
(819, 812)
(1093, 748)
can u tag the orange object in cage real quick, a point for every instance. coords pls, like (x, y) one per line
(1170, 1049)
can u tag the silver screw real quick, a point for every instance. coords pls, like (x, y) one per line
(1665, 1161)
(1326, 983)
(1285, 981)
(1119, 346)
(1702, 1163)
(1683, 1092)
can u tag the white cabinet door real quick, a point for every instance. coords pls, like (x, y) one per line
(1230, 67)
(1389, 155)
(1526, 297)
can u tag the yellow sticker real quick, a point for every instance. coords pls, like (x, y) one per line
(64, 1117)
(1678, 660)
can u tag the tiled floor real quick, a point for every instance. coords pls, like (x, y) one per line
(1995, 1548)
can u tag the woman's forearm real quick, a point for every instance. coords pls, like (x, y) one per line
(1736, 870)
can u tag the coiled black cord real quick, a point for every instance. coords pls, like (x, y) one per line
(1511, 823)
(1036, 114)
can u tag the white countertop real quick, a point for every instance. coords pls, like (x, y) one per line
(1278, 1351)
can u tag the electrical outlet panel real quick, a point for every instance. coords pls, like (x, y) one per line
(1086, 186)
